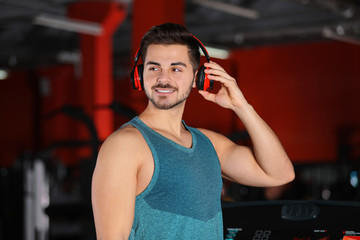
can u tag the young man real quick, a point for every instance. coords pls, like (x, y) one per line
(157, 178)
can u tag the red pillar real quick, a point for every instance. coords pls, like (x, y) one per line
(96, 51)
(149, 13)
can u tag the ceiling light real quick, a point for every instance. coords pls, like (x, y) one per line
(230, 8)
(217, 52)
(69, 57)
(338, 35)
(74, 25)
(4, 74)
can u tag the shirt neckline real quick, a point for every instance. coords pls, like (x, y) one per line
(173, 143)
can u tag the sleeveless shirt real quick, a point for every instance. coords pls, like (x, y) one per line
(183, 198)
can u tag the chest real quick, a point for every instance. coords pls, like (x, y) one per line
(185, 181)
(185, 139)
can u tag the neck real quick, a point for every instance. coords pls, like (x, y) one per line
(165, 120)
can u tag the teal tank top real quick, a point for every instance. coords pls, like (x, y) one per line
(183, 199)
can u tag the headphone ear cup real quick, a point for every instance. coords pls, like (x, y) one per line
(140, 70)
(202, 80)
(136, 77)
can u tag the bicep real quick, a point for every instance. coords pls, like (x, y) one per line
(114, 191)
(238, 163)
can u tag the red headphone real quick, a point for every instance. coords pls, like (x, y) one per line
(202, 80)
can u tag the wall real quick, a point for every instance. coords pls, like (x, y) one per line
(308, 93)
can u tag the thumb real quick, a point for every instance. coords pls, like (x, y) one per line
(208, 96)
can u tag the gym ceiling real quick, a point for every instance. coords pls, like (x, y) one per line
(226, 24)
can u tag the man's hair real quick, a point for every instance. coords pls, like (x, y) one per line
(168, 34)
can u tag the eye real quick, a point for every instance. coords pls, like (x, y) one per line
(176, 69)
(153, 69)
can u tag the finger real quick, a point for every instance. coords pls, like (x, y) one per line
(215, 69)
(226, 80)
(214, 65)
(207, 95)
(216, 72)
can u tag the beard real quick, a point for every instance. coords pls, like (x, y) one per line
(163, 102)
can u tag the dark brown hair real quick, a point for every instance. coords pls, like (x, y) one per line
(171, 33)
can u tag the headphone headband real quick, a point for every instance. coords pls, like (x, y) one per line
(137, 55)
(202, 48)
(200, 44)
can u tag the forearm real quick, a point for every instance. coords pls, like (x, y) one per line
(268, 150)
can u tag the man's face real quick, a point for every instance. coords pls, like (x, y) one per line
(168, 75)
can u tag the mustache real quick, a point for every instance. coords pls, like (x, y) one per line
(160, 85)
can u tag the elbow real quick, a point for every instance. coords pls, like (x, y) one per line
(290, 176)
(287, 177)
(289, 171)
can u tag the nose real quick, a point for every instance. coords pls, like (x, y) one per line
(163, 77)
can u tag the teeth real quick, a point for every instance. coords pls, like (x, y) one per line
(164, 91)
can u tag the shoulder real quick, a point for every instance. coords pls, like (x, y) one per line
(128, 135)
(128, 132)
(214, 137)
(221, 143)
(126, 143)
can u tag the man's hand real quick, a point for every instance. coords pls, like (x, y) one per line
(229, 96)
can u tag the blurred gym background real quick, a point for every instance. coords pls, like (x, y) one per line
(64, 70)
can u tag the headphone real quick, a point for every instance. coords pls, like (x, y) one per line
(202, 80)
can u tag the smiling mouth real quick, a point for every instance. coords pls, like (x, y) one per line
(165, 90)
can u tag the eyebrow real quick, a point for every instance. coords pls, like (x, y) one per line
(172, 64)
(178, 63)
(153, 63)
